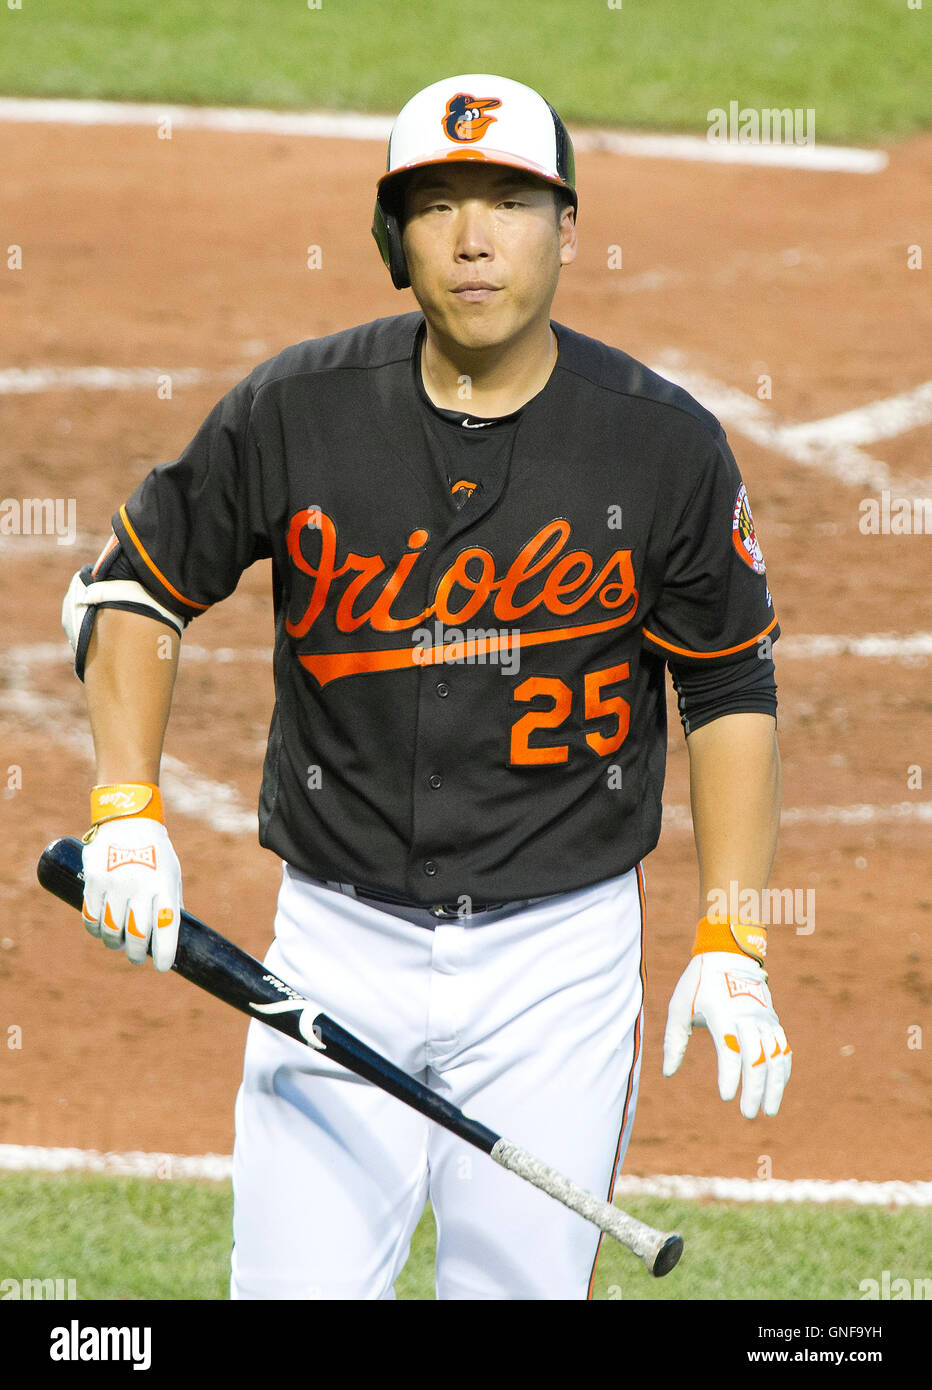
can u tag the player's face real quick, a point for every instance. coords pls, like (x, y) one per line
(484, 249)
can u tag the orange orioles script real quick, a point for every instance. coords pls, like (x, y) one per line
(558, 580)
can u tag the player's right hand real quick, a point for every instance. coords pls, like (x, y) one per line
(132, 878)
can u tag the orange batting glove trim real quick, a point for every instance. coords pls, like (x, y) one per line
(122, 801)
(132, 928)
(743, 938)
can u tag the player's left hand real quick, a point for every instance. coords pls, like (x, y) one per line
(728, 994)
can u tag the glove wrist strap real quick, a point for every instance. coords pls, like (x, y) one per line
(122, 801)
(742, 938)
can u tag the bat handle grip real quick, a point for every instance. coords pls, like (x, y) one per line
(660, 1250)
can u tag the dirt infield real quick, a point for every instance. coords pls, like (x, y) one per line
(192, 253)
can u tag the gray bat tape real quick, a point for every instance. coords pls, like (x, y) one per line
(642, 1239)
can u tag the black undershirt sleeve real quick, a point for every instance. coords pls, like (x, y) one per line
(745, 686)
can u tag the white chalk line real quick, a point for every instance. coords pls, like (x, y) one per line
(357, 125)
(328, 125)
(830, 445)
(812, 158)
(30, 1158)
(20, 1158)
(201, 798)
(884, 419)
(759, 266)
(900, 813)
(881, 646)
(908, 648)
(778, 1190)
(220, 806)
(22, 381)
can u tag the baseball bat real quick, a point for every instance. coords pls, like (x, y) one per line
(221, 968)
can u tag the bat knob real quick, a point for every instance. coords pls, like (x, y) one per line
(667, 1256)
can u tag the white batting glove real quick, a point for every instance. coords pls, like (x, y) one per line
(728, 994)
(132, 878)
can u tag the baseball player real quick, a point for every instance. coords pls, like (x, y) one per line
(489, 537)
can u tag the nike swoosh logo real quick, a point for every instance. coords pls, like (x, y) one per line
(476, 425)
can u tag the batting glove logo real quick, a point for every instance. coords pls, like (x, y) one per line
(117, 857)
(754, 989)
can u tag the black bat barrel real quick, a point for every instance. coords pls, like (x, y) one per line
(229, 973)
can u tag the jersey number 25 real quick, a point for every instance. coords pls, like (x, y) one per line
(596, 706)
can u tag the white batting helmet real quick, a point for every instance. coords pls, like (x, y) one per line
(477, 117)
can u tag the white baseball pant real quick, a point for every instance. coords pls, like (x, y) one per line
(527, 1018)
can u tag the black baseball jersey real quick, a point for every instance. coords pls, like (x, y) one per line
(472, 619)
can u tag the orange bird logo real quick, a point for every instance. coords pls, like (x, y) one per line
(465, 119)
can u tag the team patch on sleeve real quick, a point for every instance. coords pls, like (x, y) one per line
(742, 533)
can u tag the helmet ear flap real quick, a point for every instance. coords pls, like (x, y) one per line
(386, 228)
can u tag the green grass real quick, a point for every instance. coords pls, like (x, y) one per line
(862, 65)
(124, 1238)
(117, 1237)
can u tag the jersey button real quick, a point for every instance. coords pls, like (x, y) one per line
(430, 868)
(443, 689)
(435, 780)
